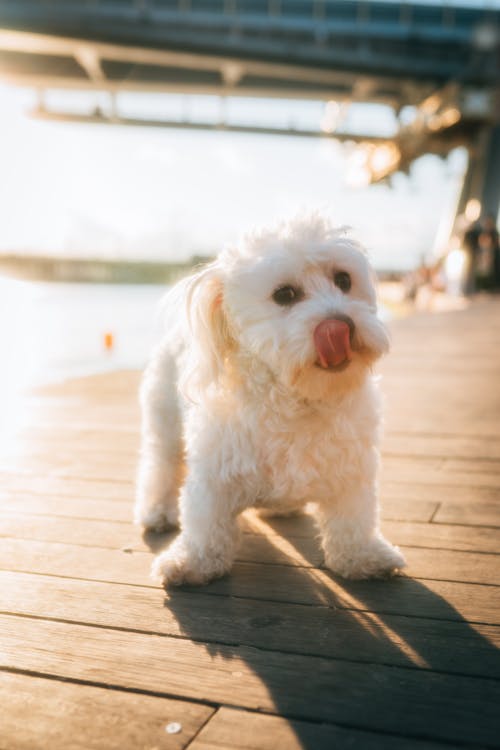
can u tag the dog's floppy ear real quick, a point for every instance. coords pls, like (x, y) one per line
(210, 339)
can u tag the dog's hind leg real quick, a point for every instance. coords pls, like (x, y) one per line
(161, 466)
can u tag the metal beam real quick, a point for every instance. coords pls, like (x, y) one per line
(21, 41)
(170, 87)
(98, 118)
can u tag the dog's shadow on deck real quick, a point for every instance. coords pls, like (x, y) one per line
(388, 656)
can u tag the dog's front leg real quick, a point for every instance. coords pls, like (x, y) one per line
(352, 542)
(206, 546)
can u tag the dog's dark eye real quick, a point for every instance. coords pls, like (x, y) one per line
(342, 280)
(287, 295)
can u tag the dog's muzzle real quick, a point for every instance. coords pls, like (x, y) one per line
(332, 341)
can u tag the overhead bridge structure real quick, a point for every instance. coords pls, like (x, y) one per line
(440, 59)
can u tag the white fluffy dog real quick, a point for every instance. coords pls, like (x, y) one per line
(262, 395)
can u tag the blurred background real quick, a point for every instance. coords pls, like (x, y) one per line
(140, 136)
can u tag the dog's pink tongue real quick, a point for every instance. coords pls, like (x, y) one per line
(332, 342)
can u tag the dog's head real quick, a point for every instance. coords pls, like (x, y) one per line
(298, 301)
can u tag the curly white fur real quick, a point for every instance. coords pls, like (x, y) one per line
(237, 412)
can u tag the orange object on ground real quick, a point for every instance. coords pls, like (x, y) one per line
(109, 341)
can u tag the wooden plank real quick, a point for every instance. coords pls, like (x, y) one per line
(54, 449)
(429, 598)
(440, 535)
(395, 509)
(110, 464)
(445, 646)
(53, 486)
(230, 729)
(84, 531)
(122, 384)
(43, 432)
(434, 471)
(112, 511)
(38, 712)
(442, 446)
(421, 419)
(452, 708)
(88, 506)
(441, 395)
(441, 493)
(449, 565)
(458, 537)
(70, 498)
(470, 505)
(76, 562)
(288, 583)
(442, 564)
(39, 493)
(419, 470)
(454, 454)
(475, 466)
(46, 438)
(482, 514)
(117, 535)
(109, 470)
(434, 564)
(78, 498)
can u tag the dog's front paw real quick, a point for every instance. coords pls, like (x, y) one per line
(157, 518)
(181, 564)
(376, 559)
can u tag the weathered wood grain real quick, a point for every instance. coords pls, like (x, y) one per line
(273, 551)
(452, 645)
(470, 504)
(465, 447)
(108, 445)
(432, 471)
(88, 505)
(483, 514)
(38, 712)
(67, 507)
(230, 729)
(285, 583)
(31, 483)
(459, 709)
(119, 534)
(410, 491)
(401, 595)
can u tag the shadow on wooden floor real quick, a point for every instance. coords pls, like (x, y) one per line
(388, 656)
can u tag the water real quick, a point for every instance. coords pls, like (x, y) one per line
(52, 331)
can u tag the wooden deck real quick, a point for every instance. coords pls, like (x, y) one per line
(280, 655)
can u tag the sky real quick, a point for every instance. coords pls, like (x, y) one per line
(115, 191)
